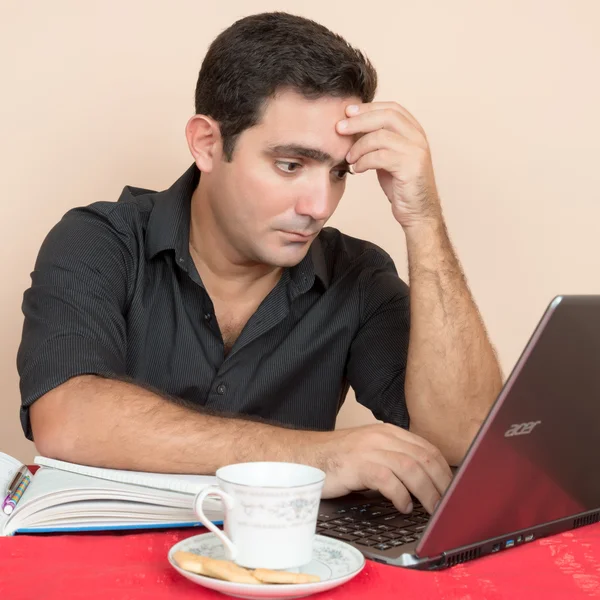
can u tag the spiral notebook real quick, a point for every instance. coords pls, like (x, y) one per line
(62, 497)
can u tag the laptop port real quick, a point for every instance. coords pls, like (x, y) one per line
(519, 539)
(509, 543)
(529, 537)
(495, 547)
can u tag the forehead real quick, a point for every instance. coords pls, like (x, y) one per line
(289, 105)
(290, 118)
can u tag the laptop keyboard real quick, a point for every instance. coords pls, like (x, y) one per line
(378, 525)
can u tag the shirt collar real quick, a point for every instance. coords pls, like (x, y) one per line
(313, 264)
(169, 223)
(169, 229)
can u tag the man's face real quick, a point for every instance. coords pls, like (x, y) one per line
(286, 179)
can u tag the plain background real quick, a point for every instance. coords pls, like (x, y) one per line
(95, 95)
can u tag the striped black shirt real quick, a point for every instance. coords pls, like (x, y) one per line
(115, 293)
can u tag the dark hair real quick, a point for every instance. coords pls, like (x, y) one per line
(257, 56)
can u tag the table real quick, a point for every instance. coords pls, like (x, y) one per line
(132, 566)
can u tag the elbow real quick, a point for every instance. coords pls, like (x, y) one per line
(452, 440)
(458, 450)
(51, 423)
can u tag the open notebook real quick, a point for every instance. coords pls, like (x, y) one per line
(63, 496)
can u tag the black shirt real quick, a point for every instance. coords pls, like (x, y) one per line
(115, 293)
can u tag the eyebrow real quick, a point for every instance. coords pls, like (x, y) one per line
(305, 152)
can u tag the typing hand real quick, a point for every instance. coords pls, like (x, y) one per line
(386, 458)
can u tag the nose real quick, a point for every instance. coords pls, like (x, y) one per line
(318, 201)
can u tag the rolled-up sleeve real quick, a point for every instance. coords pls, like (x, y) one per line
(74, 310)
(378, 355)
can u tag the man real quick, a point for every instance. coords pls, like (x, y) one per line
(218, 322)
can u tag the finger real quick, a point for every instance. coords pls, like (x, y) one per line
(376, 140)
(435, 469)
(413, 477)
(369, 106)
(426, 453)
(381, 478)
(386, 118)
(432, 456)
(379, 159)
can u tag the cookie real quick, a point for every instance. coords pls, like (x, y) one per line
(189, 562)
(211, 567)
(269, 576)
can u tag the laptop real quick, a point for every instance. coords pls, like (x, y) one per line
(532, 470)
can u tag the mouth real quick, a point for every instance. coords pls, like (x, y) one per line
(298, 236)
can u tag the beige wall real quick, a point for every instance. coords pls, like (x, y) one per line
(95, 95)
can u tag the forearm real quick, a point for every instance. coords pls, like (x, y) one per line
(453, 375)
(107, 423)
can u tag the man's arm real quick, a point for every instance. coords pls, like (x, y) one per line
(121, 425)
(110, 423)
(452, 374)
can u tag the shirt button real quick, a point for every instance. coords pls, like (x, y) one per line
(221, 389)
(207, 317)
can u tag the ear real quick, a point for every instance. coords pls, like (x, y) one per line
(204, 141)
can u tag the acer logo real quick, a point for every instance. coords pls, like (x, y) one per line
(521, 428)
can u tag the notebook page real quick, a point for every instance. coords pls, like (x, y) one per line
(8, 467)
(54, 483)
(54, 487)
(109, 511)
(187, 484)
(54, 492)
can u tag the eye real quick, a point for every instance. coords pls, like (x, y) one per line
(287, 166)
(341, 173)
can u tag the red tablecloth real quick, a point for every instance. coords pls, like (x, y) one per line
(131, 566)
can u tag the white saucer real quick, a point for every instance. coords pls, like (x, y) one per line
(334, 561)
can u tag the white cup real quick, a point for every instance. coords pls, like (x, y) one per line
(270, 512)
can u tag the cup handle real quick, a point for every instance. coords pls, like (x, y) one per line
(228, 503)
